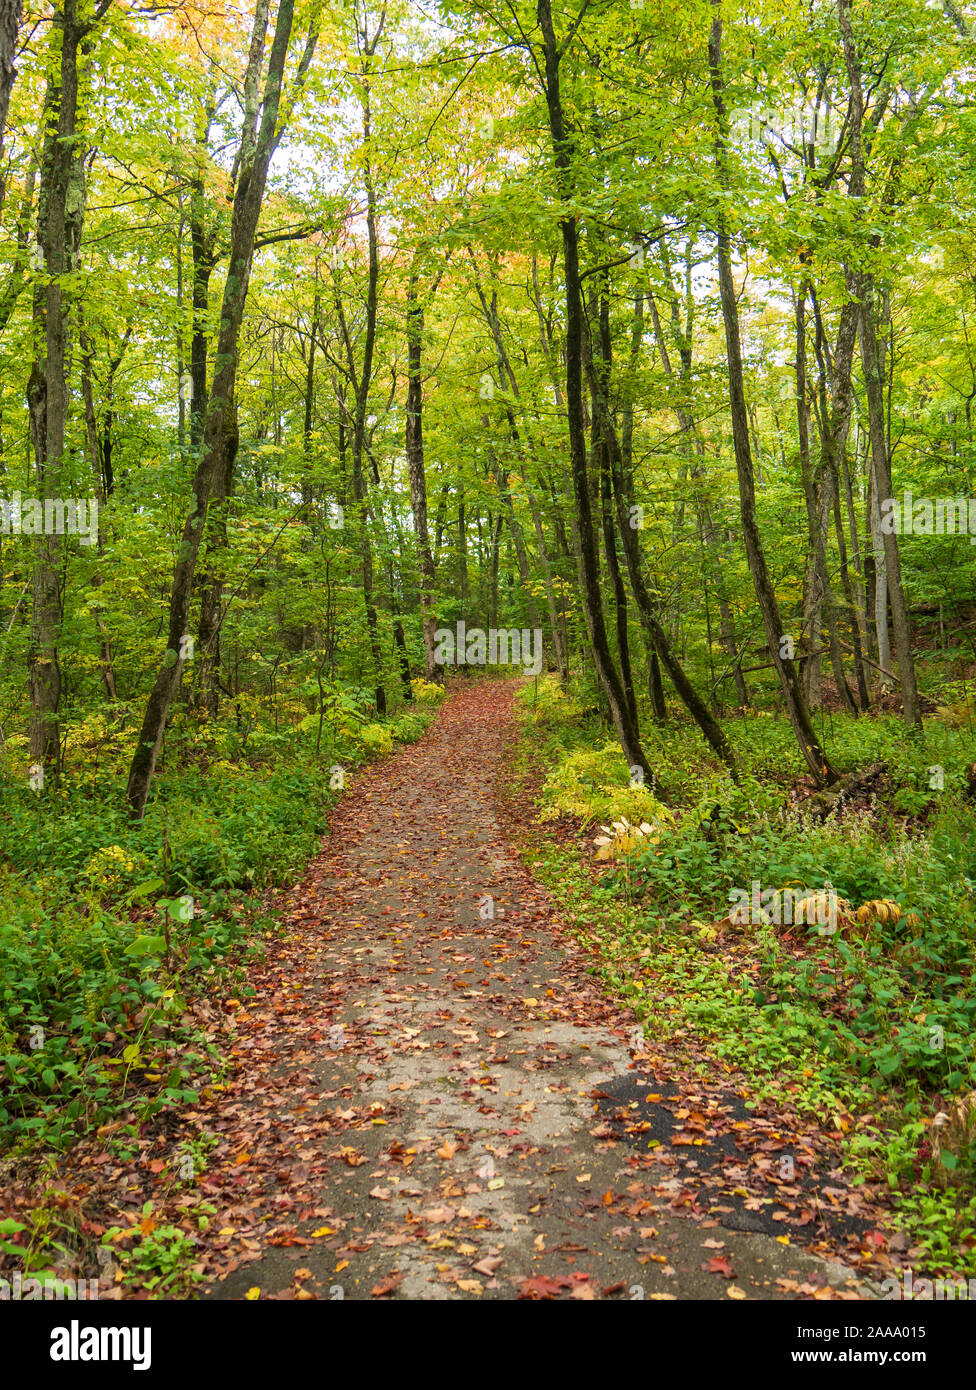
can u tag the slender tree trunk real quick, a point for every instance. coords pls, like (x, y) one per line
(308, 453)
(212, 581)
(60, 214)
(557, 621)
(889, 574)
(696, 706)
(564, 152)
(403, 660)
(259, 139)
(10, 11)
(815, 757)
(506, 372)
(418, 475)
(99, 459)
(462, 541)
(365, 381)
(879, 587)
(695, 451)
(854, 588)
(616, 580)
(862, 284)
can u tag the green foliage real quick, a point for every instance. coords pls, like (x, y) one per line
(879, 1016)
(96, 969)
(160, 1259)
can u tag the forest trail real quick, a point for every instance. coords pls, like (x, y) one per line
(412, 1114)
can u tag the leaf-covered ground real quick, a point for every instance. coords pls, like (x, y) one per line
(430, 1097)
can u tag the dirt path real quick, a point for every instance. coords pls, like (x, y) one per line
(414, 1112)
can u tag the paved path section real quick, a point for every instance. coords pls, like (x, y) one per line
(416, 1110)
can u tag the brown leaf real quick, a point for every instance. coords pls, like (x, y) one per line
(387, 1285)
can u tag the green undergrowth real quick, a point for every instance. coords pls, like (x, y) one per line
(110, 929)
(867, 1023)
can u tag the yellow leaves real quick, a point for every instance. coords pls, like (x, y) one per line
(621, 838)
(733, 1291)
(253, 1294)
(323, 1231)
(881, 910)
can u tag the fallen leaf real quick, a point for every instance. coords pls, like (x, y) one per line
(387, 1285)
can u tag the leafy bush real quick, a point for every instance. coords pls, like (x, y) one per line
(427, 692)
(97, 956)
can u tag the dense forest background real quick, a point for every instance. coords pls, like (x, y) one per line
(644, 326)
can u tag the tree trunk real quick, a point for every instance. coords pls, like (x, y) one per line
(862, 286)
(418, 475)
(259, 139)
(10, 11)
(365, 381)
(888, 574)
(563, 152)
(490, 310)
(61, 207)
(816, 760)
(212, 583)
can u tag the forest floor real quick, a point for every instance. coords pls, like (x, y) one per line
(430, 1097)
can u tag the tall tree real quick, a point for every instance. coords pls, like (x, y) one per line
(61, 210)
(564, 157)
(814, 755)
(264, 122)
